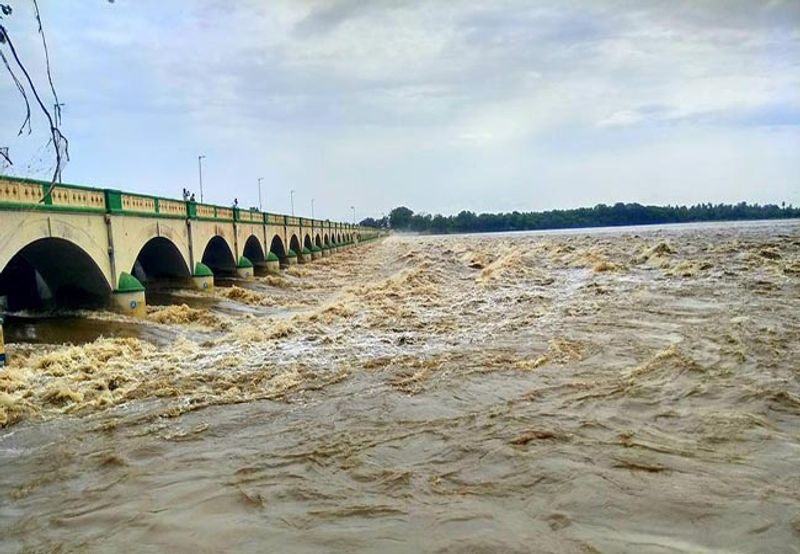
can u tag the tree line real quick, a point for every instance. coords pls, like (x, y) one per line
(602, 215)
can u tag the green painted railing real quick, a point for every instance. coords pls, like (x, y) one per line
(274, 219)
(31, 194)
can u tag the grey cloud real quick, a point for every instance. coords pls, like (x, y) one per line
(326, 16)
(465, 97)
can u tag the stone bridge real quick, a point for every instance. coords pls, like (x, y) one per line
(81, 245)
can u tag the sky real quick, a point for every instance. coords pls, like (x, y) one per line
(439, 105)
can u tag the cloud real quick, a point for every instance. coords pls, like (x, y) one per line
(326, 16)
(437, 105)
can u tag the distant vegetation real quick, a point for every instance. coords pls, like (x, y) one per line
(403, 219)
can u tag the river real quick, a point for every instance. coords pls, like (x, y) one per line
(624, 390)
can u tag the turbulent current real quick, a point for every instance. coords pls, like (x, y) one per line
(629, 390)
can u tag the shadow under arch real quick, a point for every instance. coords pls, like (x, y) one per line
(317, 241)
(53, 272)
(218, 256)
(253, 250)
(326, 240)
(294, 244)
(307, 242)
(159, 258)
(277, 248)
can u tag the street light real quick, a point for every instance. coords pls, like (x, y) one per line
(200, 173)
(354, 214)
(312, 208)
(260, 209)
(291, 194)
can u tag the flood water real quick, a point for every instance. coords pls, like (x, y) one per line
(627, 390)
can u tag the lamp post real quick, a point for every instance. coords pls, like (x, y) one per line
(354, 214)
(312, 208)
(291, 195)
(260, 209)
(200, 173)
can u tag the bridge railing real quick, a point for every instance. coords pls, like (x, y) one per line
(210, 212)
(273, 219)
(118, 202)
(32, 194)
(249, 216)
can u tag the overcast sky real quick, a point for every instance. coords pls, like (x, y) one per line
(439, 105)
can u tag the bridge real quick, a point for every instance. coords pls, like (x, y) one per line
(77, 245)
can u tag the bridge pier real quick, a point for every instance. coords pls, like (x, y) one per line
(244, 269)
(202, 278)
(128, 298)
(273, 264)
(290, 258)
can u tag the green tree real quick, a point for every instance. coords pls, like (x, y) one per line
(400, 218)
(601, 215)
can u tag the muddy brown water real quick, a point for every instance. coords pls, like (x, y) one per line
(626, 390)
